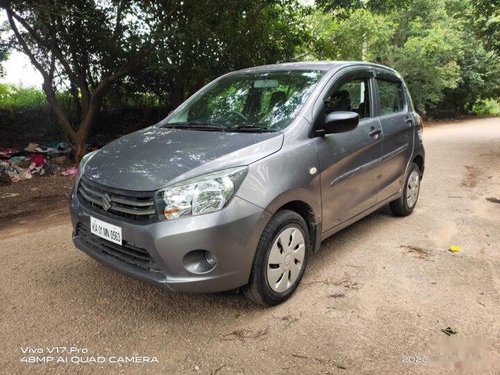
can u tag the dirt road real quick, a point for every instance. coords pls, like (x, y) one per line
(374, 299)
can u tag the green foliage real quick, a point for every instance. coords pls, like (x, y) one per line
(487, 107)
(429, 65)
(487, 22)
(428, 41)
(167, 49)
(377, 6)
(191, 42)
(479, 77)
(361, 36)
(447, 50)
(210, 38)
(15, 97)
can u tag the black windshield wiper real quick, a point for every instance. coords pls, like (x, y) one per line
(250, 129)
(194, 125)
(247, 128)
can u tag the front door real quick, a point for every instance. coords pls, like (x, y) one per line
(349, 161)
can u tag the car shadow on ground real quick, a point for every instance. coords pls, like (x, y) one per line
(100, 287)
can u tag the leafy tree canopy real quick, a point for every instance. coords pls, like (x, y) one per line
(487, 22)
(100, 52)
(168, 47)
(214, 37)
(432, 43)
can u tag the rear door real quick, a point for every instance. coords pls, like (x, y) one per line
(397, 126)
(349, 161)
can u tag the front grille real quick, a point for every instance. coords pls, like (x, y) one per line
(118, 203)
(126, 252)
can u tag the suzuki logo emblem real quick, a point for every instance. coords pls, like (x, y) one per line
(106, 202)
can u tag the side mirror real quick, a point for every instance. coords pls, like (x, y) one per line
(339, 122)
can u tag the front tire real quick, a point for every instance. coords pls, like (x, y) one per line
(280, 259)
(404, 205)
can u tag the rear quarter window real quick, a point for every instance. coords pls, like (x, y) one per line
(392, 98)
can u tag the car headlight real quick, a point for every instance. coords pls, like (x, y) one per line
(200, 195)
(83, 163)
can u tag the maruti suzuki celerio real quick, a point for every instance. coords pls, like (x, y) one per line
(239, 185)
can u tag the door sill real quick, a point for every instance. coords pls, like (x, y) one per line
(357, 217)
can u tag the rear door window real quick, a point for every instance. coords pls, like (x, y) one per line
(391, 95)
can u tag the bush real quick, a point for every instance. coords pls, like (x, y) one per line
(15, 97)
(487, 107)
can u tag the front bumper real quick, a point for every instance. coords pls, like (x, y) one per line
(232, 234)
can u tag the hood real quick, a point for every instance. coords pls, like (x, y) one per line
(154, 157)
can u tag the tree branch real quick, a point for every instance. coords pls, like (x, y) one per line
(47, 79)
(24, 46)
(52, 46)
(118, 26)
(122, 71)
(52, 67)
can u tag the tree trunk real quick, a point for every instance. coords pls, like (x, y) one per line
(85, 128)
(80, 146)
(90, 101)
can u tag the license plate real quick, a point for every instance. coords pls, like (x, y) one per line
(107, 231)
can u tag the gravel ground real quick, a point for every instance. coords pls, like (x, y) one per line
(41, 196)
(374, 299)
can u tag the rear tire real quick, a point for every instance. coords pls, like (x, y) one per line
(404, 205)
(280, 259)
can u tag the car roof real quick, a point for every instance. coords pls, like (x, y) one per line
(313, 65)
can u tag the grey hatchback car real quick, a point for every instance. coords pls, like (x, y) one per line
(240, 184)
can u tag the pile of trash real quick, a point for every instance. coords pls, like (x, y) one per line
(34, 160)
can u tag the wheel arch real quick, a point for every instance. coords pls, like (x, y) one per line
(419, 160)
(306, 211)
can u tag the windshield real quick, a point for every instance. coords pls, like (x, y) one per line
(264, 100)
